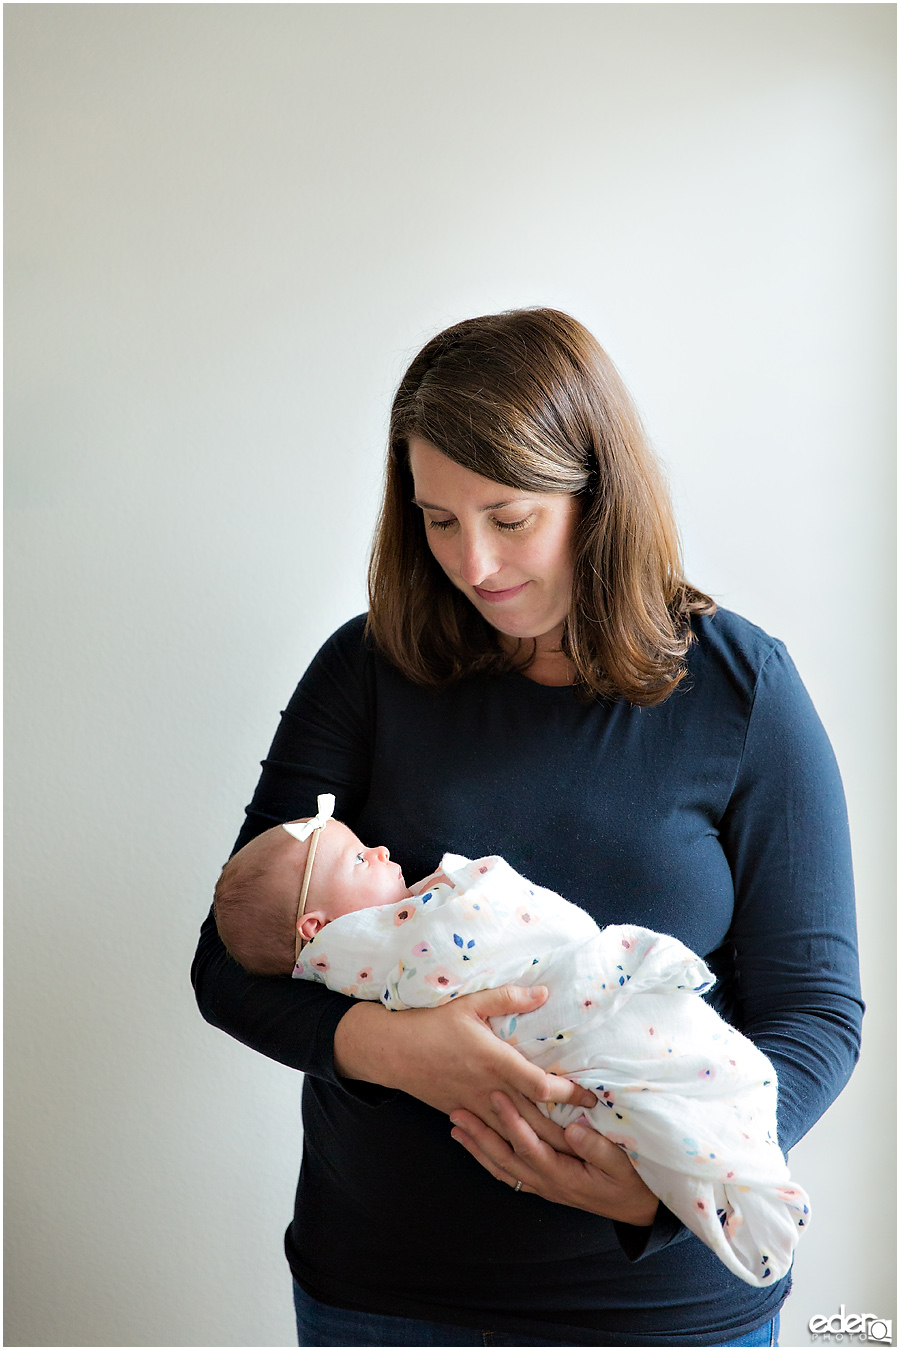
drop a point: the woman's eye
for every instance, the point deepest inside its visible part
(507, 525)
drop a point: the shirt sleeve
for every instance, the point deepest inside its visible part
(636, 1243)
(795, 991)
(322, 745)
(793, 935)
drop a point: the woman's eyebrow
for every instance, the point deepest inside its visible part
(496, 506)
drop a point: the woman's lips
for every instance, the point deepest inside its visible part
(494, 597)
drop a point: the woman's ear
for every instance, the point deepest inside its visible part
(310, 924)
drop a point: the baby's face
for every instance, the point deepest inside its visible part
(347, 876)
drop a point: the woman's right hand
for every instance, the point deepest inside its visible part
(449, 1057)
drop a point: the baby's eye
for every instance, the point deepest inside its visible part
(358, 859)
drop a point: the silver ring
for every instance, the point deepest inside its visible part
(518, 1186)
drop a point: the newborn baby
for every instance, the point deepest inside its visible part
(691, 1100)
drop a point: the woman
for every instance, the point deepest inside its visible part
(536, 679)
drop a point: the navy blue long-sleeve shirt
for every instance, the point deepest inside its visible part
(717, 816)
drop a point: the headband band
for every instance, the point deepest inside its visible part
(302, 830)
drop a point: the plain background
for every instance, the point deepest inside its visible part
(229, 227)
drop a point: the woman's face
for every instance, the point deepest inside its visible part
(510, 552)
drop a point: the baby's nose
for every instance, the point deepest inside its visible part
(382, 853)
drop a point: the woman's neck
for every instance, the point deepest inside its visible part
(549, 665)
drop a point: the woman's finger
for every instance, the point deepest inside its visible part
(591, 1146)
(538, 1086)
(546, 1129)
(524, 1155)
(487, 1162)
(528, 1141)
(515, 1158)
(636, 1203)
(508, 1000)
(564, 1091)
(491, 1144)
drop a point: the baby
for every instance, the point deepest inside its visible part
(691, 1100)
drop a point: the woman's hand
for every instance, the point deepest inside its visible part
(449, 1057)
(588, 1173)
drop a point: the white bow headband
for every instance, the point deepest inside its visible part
(302, 830)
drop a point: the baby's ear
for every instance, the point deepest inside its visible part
(310, 924)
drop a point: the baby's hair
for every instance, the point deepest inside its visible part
(255, 921)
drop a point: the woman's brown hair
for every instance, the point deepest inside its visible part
(530, 399)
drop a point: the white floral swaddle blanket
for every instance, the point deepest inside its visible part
(691, 1100)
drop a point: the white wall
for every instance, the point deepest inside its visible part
(228, 229)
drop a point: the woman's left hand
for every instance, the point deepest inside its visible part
(576, 1167)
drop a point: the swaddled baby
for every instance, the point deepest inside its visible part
(691, 1100)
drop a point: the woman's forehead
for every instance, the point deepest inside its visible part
(435, 473)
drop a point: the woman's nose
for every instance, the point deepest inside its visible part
(476, 561)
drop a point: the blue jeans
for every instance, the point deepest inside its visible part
(321, 1324)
